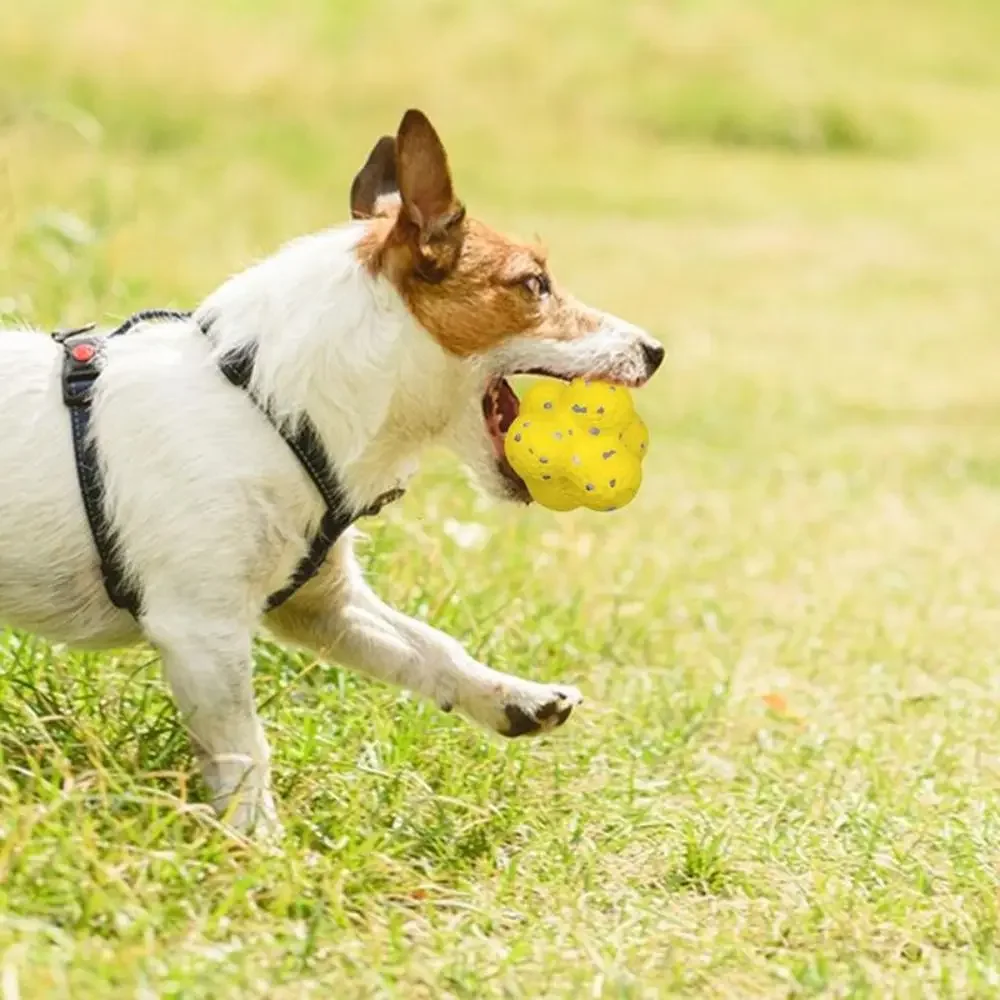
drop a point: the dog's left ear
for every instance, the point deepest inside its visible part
(431, 215)
(375, 179)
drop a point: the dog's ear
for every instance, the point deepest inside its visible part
(429, 202)
(375, 179)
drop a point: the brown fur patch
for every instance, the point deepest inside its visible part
(484, 297)
(466, 284)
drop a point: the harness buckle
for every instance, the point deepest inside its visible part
(81, 355)
(61, 336)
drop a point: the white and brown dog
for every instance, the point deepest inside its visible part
(392, 332)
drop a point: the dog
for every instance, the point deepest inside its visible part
(392, 332)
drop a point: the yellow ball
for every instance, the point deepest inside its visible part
(538, 448)
(635, 437)
(579, 445)
(606, 475)
(543, 397)
(598, 404)
(558, 494)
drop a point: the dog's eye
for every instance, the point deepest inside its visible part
(538, 285)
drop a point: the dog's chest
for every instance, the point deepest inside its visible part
(392, 458)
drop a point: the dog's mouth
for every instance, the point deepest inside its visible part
(500, 409)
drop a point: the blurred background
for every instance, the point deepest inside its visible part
(792, 631)
(798, 198)
(786, 191)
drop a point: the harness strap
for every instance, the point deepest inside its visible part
(82, 363)
(305, 444)
(304, 440)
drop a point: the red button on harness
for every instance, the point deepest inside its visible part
(83, 353)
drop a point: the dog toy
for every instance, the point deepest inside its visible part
(578, 445)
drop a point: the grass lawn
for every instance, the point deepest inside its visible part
(785, 780)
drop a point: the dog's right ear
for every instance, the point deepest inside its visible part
(431, 215)
(375, 179)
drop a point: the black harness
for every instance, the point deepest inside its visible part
(83, 357)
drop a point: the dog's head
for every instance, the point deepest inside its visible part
(487, 300)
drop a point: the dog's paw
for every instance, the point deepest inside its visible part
(251, 814)
(538, 708)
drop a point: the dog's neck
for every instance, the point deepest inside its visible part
(333, 342)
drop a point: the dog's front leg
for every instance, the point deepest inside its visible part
(208, 666)
(360, 631)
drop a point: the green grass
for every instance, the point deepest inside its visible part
(785, 780)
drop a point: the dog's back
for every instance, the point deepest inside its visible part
(196, 484)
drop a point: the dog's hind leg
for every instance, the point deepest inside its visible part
(208, 666)
(354, 627)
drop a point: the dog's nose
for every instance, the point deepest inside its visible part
(654, 354)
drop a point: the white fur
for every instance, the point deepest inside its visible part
(213, 511)
(613, 351)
